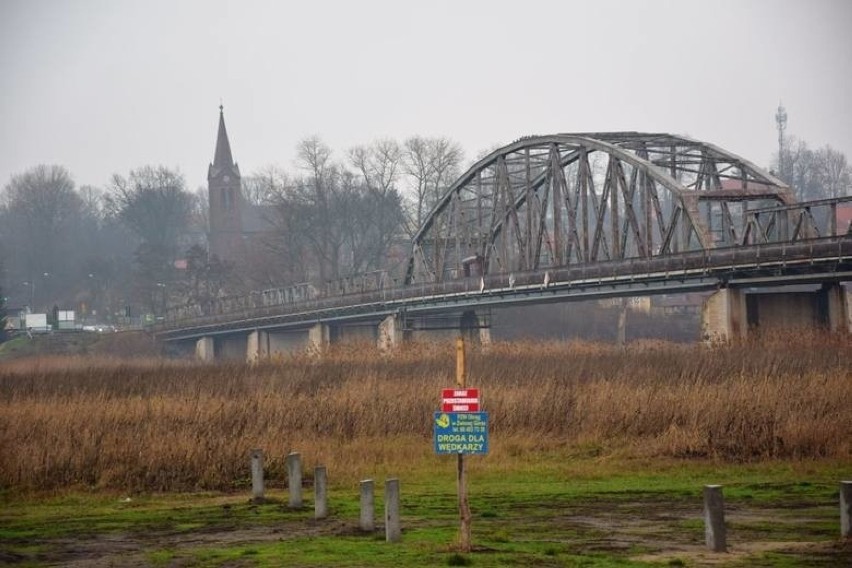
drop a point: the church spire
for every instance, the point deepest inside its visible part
(222, 158)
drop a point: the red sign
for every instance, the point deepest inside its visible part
(460, 400)
(459, 393)
(464, 407)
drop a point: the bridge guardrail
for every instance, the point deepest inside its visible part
(774, 256)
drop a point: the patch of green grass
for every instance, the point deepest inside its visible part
(546, 514)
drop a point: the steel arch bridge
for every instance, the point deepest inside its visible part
(566, 199)
(571, 216)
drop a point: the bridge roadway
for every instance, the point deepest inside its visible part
(823, 260)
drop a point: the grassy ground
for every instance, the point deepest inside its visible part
(598, 456)
(551, 509)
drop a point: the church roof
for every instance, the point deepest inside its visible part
(222, 158)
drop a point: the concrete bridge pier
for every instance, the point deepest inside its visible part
(257, 347)
(729, 312)
(475, 328)
(838, 307)
(205, 349)
(724, 316)
(390, 333)
(319, 337)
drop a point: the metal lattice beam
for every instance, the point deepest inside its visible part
(567, 199)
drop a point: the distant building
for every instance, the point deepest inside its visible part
(234, 223)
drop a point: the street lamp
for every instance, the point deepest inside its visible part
(162, 288)
(31, 285)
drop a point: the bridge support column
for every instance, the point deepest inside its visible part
(205, 349)
(390, 334)
(475, 328)
(257, 347)
(319, 337)
(838, 305)
(724, 316)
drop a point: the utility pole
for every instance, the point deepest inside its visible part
(464, 505)
(781, 123)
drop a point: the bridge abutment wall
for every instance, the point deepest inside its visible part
(729, 312)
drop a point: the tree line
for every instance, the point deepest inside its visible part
(138, 244)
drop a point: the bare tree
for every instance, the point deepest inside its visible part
(379, 164)
(153, 203)
(262, 187)
(431, 164)
(833, 172)
(41, 230)
(814, 174)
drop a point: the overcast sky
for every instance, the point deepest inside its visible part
(103, 86)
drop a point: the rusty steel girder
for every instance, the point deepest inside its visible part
(568, 199)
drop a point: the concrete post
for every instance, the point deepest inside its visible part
(320, 492)
(319, 336)
(714, 519)
(724, 316)
(390, 333)
(294, 479)
(393, 530)
(257, 476)
(204, 349)
(368, 511)
(257, 347)
(846, 509)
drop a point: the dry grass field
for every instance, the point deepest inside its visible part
(159, 425)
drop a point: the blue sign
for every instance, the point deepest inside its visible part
(461, 432)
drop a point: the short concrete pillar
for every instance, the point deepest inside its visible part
(319, 337)
(724, 316)
(390, 334)
(714, 519)
(368, 510)
(320, 492)
(846, 509)
(257, 346)
(393, 530)
(294, 479)
(257, 488)
(205, 349)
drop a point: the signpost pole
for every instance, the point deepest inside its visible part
(464, 506)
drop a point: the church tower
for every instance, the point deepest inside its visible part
(225, 239)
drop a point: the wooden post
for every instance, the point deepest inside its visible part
(714, 519)
(846, 509)
(464, 506)
(367, 523)
(257, 476)
(294, 479)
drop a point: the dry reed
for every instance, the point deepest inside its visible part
(153, 425)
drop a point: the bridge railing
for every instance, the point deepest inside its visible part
(768, 256)
(799, 221)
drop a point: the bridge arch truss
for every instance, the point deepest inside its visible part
(566, 199)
